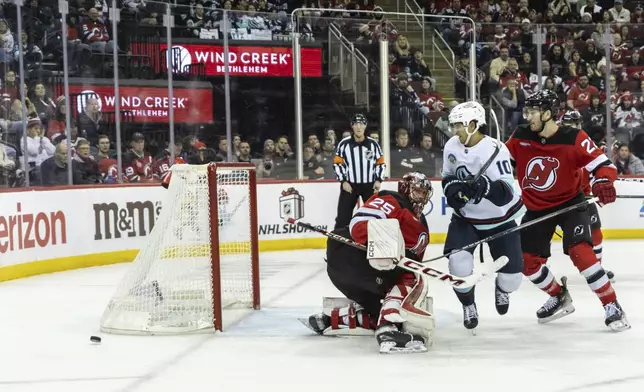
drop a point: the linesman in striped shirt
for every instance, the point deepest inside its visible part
(359, 166)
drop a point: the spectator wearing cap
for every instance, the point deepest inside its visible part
(619, 13)
(202, 154)
(39, 148)
(627, 163)
(90, 120)
(137, 166)
(56, 124)
(638, 15)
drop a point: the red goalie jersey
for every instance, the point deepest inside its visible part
(391, 205)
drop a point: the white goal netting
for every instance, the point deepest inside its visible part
(176, 284)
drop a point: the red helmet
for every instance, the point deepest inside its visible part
(417, 189)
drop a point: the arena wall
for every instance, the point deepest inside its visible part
(55, 229)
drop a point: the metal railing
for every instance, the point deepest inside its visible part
(504, 118)
(435, 48)
(349, 65)
(412, 7)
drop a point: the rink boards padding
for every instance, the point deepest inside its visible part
(44, 230)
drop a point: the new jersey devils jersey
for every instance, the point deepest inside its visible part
(391, 205)
(548, 169)
(585, 182)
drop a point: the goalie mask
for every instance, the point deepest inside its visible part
(417, 189)
(462, 115)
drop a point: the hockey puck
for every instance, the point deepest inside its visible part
(94, 339)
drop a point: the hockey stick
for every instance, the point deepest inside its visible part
(415, 266)
(516, 228)
(497, 149)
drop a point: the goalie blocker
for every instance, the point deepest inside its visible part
(380, 298)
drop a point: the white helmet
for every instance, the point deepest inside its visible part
(466, 112)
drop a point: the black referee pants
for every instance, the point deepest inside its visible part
(347, 202)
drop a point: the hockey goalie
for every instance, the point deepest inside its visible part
(381, 299)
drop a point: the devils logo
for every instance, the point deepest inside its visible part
(541, 173)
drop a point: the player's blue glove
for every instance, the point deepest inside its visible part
(457, 192)
(480, 188)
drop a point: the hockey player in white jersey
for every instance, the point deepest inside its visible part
(482, 206)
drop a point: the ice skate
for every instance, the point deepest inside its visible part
(317, 323)
(556, 306)
(615, 317)
(470, 317)
(392, 341)
(501, 301)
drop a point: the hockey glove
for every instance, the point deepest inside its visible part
(457, 192)
(604, 189)
(480, 188)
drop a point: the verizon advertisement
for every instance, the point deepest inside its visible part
(150, 104)
(249, 60)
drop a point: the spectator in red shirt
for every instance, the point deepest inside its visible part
(95, 32)
(138, 166)
(579, 95)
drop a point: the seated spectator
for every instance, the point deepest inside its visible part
(222, 150)
(593, 9)
(6, 42)
(312, 168)
(95, 32)
(619, 13)
(56, 124)
(163, 163)
(45, 107)
(417, 67)
(402, 50)
(244, 152)
(202, 155)
(430, 98)
(627, 163)
(54, 169)
(513, 99)
(39, 148)
(87, 165)
(31, 52)
(429, 156)
(326, 157)
(579, 95)
(402, 155)
(73, 138)
(594, 119)
(104, 151)
(90, 120)
(8, 167)
(628, 120)
(499, 64)
(512, 72)
(137, 166)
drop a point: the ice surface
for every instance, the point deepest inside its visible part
(46, 322)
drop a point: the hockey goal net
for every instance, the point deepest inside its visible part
(200, 258)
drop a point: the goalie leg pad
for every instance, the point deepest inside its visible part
(417, 310)
(341, 317)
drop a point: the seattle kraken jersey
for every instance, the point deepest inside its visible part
(462, 161)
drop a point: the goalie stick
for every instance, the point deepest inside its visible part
(415, 266)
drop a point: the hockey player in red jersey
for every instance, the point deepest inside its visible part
(572, 118)
(548, 160)
(382, 295)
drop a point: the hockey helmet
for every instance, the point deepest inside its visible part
(571, 117)
(417, 188)
(543, 100)
(464, 113)
(359, 118)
